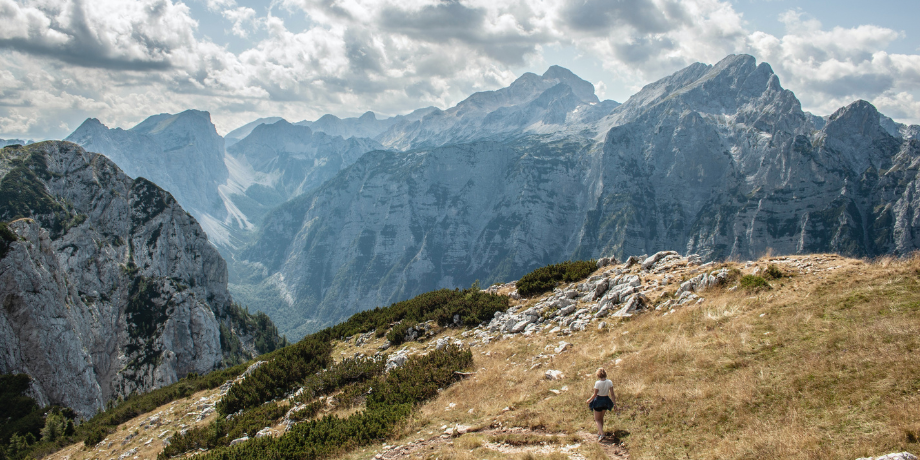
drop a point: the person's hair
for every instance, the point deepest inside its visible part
(601, 373)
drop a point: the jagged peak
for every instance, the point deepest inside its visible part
(156, 124)
(855, 109)
(368, 116)
(91, 123)
(328, 118)
(556, 71)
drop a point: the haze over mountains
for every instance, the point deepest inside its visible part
(322, 219)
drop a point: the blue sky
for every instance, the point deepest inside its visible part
(62, 61)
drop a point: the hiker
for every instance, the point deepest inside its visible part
(602, 400)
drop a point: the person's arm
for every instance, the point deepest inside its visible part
(592, 396)
(613, 397)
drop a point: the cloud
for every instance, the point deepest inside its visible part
(831, 68)
(240, 17)
(643, 16)
(112, 34)
(123, 60)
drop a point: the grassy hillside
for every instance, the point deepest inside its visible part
(821, 362)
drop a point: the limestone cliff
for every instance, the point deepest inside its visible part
(108, 286)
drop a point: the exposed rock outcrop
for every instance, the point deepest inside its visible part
(108, 286)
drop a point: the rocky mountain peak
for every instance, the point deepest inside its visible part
(234, 136)
(181, 152)
(856, 134)
(583, 89)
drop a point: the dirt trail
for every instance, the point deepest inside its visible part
(502, 440)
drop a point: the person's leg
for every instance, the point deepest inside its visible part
(599, 420)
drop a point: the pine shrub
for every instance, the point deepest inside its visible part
(546, 278)
(273, 380)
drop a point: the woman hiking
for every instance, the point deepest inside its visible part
(602, 400)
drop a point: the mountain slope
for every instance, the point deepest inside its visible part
(531, 104)
(109, 287)
(287, 161)
(737, 371)
(719, 160)
(182, 153)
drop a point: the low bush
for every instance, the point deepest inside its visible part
(391, 401)
(773, 272)
(307, 412)
(288, 367)
(753, 283)
(221, 431)
(546, 278)
(345, 372)
(472, 306)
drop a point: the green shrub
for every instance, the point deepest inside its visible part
(420, 378)
(309, 411)
(391, 401)
(773, 273)
(95, 437)
(473, 306)
(221, 431)
(546, 278)
(397, 334)
(346, 372)
(288, 367)
(753, 283)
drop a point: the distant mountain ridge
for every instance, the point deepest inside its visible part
(717, 159)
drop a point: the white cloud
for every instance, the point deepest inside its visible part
(123, 60)
(242, 19)
(831, 68)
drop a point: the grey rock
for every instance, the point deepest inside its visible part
(127, 296)
(893, 456)
(565, 311)
(652, 260)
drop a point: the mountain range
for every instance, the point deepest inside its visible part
(319, 220)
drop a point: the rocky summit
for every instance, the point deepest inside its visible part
(108, 287)
(716, 160)
(321, 219)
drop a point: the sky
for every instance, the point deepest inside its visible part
(62, 61)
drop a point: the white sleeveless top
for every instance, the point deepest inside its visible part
(603, 387)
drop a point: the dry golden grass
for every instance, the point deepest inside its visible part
(824, 364)
(148, 441)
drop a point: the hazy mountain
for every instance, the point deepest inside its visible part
(279, 161)
(718, 160)
(532, 104)
(366, 125)
(239, 133)
(6, 142)
(109, 287)
(181, 153)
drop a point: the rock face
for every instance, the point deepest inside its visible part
(287, 161)
(533, 104)
(181, 153)
(719, 160)
(108, 286)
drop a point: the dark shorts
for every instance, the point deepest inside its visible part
(601, 403)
